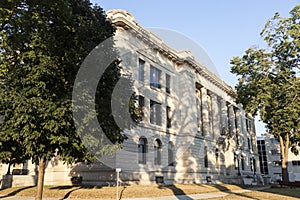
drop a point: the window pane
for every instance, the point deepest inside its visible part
(168, 83)
(243, 163)
(205, 157)
(142, 147)
(170, 154)
(141, 101)
(249, 145)
(141, 70)
(155, 77)
(155, 113)
(168, 117)
(157, 152)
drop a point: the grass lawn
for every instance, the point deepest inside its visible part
(272, 194)
(73, 192)
(124, 191)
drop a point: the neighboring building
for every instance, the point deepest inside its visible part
(270, 160)
(192, 130)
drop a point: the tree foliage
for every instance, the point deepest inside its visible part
(269, 80)
(43, 43)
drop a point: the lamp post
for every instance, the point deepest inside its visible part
(118, 170)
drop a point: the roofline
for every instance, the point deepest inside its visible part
(122, 18)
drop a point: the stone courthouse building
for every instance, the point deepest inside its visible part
(192, 130)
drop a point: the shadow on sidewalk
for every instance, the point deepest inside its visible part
(13, 193)
(176, 191)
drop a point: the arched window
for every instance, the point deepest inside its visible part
(171, 154)
(142, 150)
(157, 152)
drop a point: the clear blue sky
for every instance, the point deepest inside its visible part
(223, 28)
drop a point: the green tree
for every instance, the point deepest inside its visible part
(43, 44)
(269, 82)
(10, 152)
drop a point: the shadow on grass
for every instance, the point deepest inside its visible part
(76, 187)
(245, 195)
(13, 193)
(121, 193)
(221, 188)
(68, 194)
(225, 189)
(286, 191)
(228, 191)
(67, 187)
(176, 191)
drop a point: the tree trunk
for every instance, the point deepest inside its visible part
(40, 184)
(8, 170)
(284, 149)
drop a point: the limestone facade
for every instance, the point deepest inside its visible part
(192, 130)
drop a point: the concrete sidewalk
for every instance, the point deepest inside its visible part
(177, 197)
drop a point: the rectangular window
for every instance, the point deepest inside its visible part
(296, 162)
(205, 157)
(141, 70)
(277, 163)
(217, 159)
(155, 77)
(168, 83)
(243, 162)
(155, 113)
(249, 145)
(169, 121)
(275, 151)
(236, 161)
(141, 100)
(274, 141)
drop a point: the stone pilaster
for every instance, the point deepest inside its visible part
(215, 117)
(205, 117)
(232, 128)
(224, 118)
(239, 133)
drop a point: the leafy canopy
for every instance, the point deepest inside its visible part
(43, 43)
(269, 80)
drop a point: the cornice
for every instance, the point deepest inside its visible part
(124, 20)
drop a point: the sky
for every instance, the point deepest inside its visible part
(224, 29)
